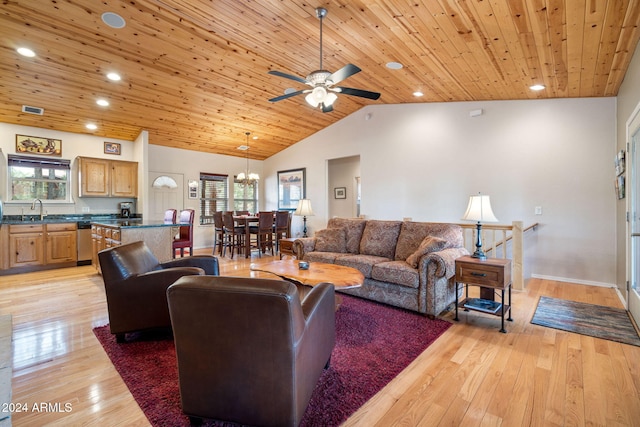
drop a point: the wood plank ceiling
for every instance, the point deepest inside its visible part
(194, 72)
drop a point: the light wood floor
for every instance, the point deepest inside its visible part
(471, 376)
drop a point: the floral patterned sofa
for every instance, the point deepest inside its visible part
(406, 264)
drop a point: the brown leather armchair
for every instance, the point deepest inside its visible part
(136, 285)
(248, 350)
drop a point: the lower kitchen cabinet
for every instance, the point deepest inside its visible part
(40, 245)
(26, 245)
(61, 244)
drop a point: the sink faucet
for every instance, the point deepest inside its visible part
(33, 206)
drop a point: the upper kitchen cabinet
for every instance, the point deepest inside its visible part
(107, 178)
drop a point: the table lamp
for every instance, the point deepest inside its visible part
(479, 209)
(304, 210)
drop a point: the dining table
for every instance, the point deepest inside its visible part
(246, 221)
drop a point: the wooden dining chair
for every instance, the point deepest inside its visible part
(218, 232)
(185, 236)
(233, 236)
(264, 232)
(281, 227)
(242, 212)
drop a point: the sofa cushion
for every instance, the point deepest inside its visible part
(331, 240)
(429, 244)
(364, 263)
(398, 272)
(328, 257)
(353, 228)
(413, 233)
(379, 238)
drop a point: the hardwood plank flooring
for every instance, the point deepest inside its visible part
(471, 376)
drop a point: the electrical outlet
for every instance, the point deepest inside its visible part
(538, 210)
(86, 209)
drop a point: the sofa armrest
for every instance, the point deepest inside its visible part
(303, 245)
(441, 263)
(208, 263)
(437, 270)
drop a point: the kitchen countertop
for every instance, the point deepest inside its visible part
(135, 223)
(34, 219)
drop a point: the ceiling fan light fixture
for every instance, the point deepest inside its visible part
(330, 99)
(317, 96)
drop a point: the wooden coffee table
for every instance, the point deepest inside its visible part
(319, 272)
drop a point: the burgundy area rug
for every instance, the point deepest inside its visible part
(374, 343)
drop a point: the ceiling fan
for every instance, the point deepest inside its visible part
(323, 92)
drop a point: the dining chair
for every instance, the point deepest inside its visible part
(242, 212)
(264, 232)
(185, 236)
(170, 216)
(281, 227)
(218, 232)
(233, 235)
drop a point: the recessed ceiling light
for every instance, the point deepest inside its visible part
(255, 137)
(102, 102)
(394, 65)
(536, 87)
(91, 126)
(418, 93)
(114, 77)
(25, 51)
(113, 20)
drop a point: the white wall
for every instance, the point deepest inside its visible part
(73, 145)
(424, 160)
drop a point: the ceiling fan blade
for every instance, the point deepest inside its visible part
(287, 76)
(287, 95)
(327, 108)
(344, 72)
(357, 92)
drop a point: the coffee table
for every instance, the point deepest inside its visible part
(342, 277)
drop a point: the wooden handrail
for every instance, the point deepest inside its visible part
(516, 234)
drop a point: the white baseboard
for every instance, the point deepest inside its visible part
(577, 281)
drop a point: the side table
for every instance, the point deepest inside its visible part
(491, 274)
(286, 246)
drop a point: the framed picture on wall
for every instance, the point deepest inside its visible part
(38, 145)
(340, 192)
(620, 162)
(291, 188)
(193, 189)
(112, 148)
(620, 187)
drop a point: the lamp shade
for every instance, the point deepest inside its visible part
(479, 209)
(304, 208)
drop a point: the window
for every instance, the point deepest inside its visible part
(213, 196)
(245, 197)
(39, 178)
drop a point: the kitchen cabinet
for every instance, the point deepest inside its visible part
(41, 244)
(60, 243)
(107, 178)
(26, 245)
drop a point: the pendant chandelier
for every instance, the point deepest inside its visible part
(246, 177)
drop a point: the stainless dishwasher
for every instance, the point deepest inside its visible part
(84, 243)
